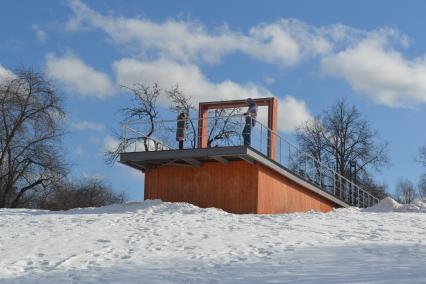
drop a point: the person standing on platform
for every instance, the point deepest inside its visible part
(181, 129)
(250, 121)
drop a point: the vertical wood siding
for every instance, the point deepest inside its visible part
(237, 187)
(278, 194)
(232, 187)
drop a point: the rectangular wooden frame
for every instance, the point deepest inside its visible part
(271, 103)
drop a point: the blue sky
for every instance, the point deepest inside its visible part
(306, 53)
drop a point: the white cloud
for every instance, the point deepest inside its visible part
(368, 60)
(292, 113)
(193, 82)
(130, 173)
(93, 176)
(374, 67)
(40, 34)
(136, 175)
(5, 73)
(110, 143)
(88, 125)
(79, 77)
(190, 78)
(269, 80)
(284, 42)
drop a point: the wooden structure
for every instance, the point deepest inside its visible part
(237, 179)
(271, 103)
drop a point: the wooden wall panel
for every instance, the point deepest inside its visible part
(232, 187)
(237, 187)
(278, 194)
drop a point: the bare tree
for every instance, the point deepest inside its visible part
(30, 158)
(310, 138)
(339, 137)
(422, 182)
(144, 107)
(405, 191)
(145, 101)
(89, 192)
(377, 190)
(421, 188)
(179, 102)
(225, 127)
(422, 156)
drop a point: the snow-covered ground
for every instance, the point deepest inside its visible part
(156, 242)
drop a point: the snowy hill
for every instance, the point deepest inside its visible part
(156, 242)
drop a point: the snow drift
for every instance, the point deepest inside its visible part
(390, 205)
(159, 242)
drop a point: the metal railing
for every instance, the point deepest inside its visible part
(228, 131)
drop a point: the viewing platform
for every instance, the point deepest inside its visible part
(216, 169)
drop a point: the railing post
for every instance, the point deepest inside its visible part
(357, 204)
(334, 183)
(125, 136)
(261, 127)
(203, 125)
(280, 149)
(272, 123)
(240, 124)
(122, 134)
(306, 165)
(289, 155)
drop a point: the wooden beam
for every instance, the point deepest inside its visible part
(234, 103)
(141, 167)
(273, 125)
(203, 125)
(247, 159)
(179, 165)
(175, 163)
(220, 159)
(193, 162)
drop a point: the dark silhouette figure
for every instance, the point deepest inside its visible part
(181, 129)
(250, 121)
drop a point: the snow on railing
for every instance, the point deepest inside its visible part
(228, 131)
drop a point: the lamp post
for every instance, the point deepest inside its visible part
(353, 171)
